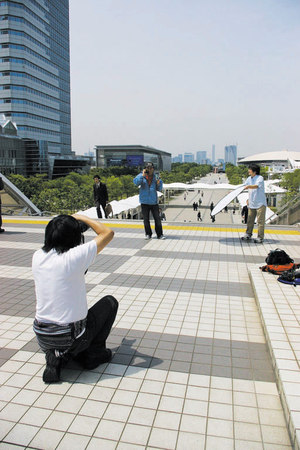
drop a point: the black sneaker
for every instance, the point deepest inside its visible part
(2, 230)
(53, 365)
(89, 362)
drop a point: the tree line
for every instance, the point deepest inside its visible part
(74, 192)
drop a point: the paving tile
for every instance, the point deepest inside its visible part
(21, 434)
(73, 441)
(163, 439)
(109, 429)
(192, 441)
(136, 434)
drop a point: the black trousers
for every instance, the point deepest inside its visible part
(103, 204)
(100, 320)
(155, 212)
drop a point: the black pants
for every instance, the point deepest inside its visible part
(103, 204)
(100, 319)
(155, 212)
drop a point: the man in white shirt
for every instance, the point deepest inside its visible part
(63, 324)
(257, 204)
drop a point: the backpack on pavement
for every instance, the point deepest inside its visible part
(278, 261)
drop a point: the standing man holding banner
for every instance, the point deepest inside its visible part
(257, 204)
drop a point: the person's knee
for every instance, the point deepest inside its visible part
(109, 299)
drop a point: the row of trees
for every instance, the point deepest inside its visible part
(185, 172)
(75, 191)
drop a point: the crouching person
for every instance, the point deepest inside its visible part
(63, 324)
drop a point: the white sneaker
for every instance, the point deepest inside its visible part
(247, 237)
(147, 237)
(161, 237)
(258, 241)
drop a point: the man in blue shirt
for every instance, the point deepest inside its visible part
(257, 204)
(149, 185)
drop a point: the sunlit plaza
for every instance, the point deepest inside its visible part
(206, 346)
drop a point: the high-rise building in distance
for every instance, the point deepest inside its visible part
(188, 157)
(35, 70)
(231, 154)
(177, 159)
(213, 154)
(201, 157)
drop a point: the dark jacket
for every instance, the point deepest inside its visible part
(100, 193)
(1, 187)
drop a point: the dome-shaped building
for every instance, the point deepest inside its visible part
(281, 161)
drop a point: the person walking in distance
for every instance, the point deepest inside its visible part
(100, 196)
(245, 212)
(257, 204)
(211, 206)
(199, 218)
(1, 187)
(149, 185)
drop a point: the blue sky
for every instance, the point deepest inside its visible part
(183, 75)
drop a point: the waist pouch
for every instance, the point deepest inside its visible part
(61, 337)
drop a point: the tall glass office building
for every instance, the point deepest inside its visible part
(231, 154)
(35, 70)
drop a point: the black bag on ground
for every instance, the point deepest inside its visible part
(290, 277)
(279, 257)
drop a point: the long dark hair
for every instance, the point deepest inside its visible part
(62, 233)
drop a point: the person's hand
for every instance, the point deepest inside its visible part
(145, 172)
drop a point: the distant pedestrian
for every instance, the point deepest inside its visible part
(184, 197)
(128, 215)
(245, 213)
(211, 206)
(226, 209)
(213, 219)
(162, 214)
(1, 187)
(200, 202)
(202, 194)
(233, 212)
(100, 196)
(199, 218)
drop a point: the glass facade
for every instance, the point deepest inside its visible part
(231, 154)
(35, 70)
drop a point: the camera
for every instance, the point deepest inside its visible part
(83, 226)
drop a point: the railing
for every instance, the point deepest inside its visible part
(289, 214)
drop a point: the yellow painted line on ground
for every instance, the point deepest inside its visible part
(166, 227)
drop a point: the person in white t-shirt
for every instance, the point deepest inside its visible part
(63, 324)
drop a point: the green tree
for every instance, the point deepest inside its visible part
(114, 188)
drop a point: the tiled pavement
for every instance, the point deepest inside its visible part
(191, 367)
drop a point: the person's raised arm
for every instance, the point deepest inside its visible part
(104, 233)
